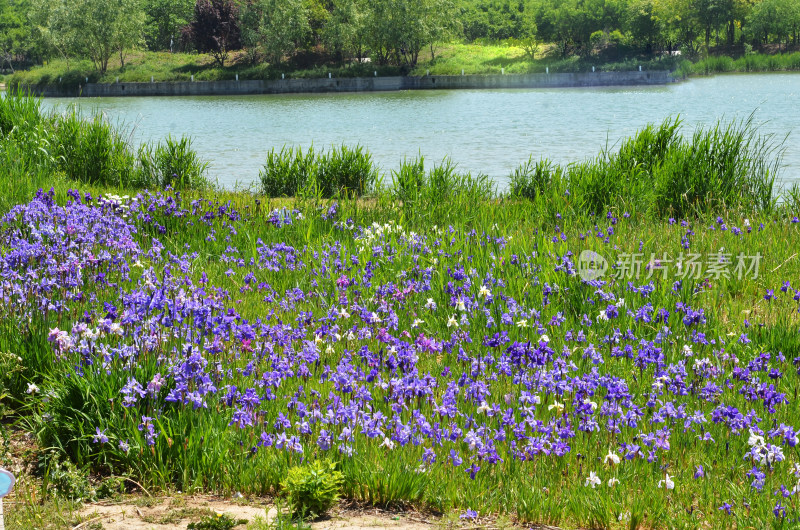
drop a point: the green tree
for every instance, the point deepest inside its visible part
(774, 19)
(570, 23)
(680, 23)
(127, 30)
(13, 31)
(345, 31)
(711, 14)
(96, 29)
(165, 19)
(50, 30)
(317, 14)
(529, 34)
(644, 24)
(399, 29)
(276, 27)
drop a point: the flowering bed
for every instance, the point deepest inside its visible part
(199, 344)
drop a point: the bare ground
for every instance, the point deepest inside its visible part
(174, 513)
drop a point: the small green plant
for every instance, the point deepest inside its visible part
(111, 488)
(281, 521)
(64, 480)
(218, 521)
(313, 488)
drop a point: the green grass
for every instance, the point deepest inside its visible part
(667, 173)
(508, 57)
(216, 464)
(339, 171)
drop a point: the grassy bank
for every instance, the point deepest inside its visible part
(169, 67)
(448, 59)
(444, 345)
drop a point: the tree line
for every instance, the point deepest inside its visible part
(389, 32)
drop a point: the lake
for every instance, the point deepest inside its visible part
(488, 131)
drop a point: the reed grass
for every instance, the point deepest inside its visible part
(755, 62)
(90, 150)
(339, 171)
(172, 163)
(730, 165)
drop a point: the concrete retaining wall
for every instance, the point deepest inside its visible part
(358, 84)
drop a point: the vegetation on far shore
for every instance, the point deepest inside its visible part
(53, 41)
(451, 59)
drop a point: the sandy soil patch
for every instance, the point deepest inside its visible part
(175, 513)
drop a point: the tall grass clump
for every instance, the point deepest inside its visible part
(173, 163)
(340, 171)
(648, 148)
(89, 150)
(717, 64)
(441, 192)
(534, 178)
(92, 151)
(728, 165)
(408, 180)
(623, 177)
(659, 170)
(346, 170)
(287, 171)
(19, 110)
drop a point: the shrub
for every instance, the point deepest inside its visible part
(64, 479)
(110, 488)
(312, 489)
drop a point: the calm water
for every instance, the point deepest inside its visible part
(489, 131)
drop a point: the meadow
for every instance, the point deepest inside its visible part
(608, 344)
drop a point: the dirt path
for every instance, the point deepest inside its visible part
(175, 513)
